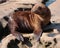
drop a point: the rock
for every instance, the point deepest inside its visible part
(11, 5)
(55, 11)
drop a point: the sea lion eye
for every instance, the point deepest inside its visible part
(39, 8)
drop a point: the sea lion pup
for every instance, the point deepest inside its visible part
(27, 22)
(43, 11)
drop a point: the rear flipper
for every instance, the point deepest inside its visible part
(12, 25)
(19, 36)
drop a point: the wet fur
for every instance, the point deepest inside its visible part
(25, 22)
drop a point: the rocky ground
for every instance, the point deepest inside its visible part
(9, 6)
(49, 39)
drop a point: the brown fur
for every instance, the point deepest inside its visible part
(43, 11)
(26, 22)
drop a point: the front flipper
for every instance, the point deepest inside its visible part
(37, 34)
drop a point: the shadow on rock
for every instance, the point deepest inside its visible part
(51, 27)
